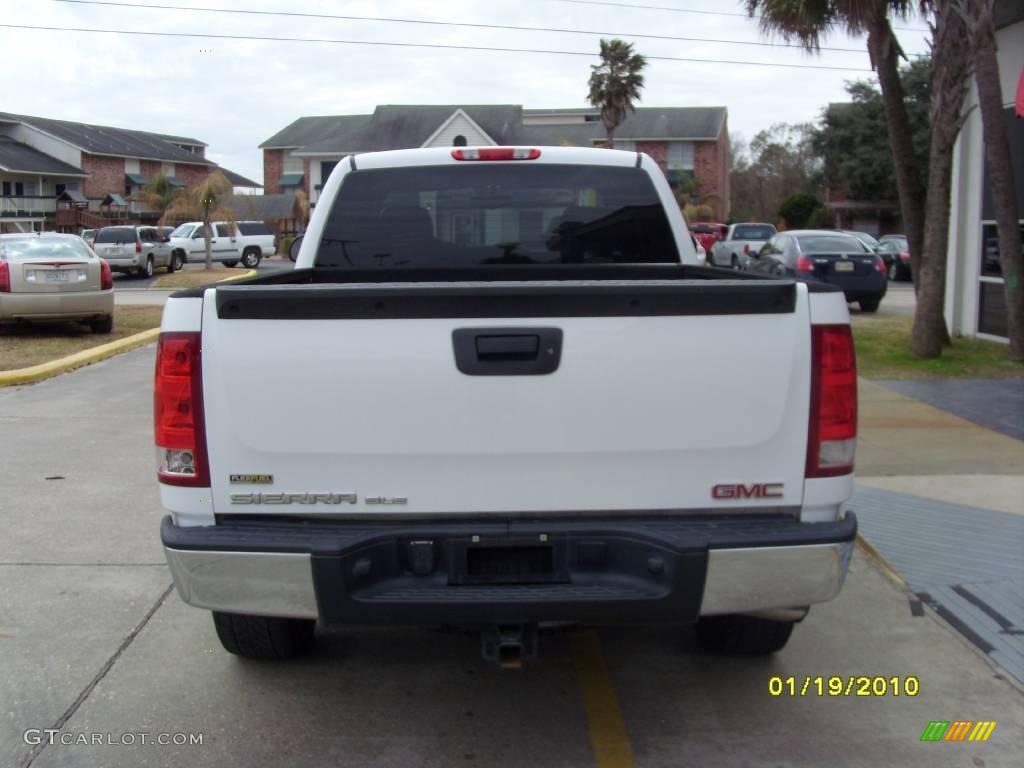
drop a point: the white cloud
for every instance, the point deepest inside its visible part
(245, 91)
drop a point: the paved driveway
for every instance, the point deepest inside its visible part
(94, 643)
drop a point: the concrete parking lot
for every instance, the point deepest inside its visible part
(94, 642)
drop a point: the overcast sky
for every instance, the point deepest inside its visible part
(243, 91)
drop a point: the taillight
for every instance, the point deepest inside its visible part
(905, 255)
(880, 264)
(178, 411)
(803, 264)
(106, 277)
(832, 431)
(138, 247)
(746, 248)
(5, 277)
(497, 153)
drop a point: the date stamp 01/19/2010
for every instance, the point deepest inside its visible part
(844, 685)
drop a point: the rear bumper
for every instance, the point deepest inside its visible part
(80, 305)
(124, 263)
(602, 571)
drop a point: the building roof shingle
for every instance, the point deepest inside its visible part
(394, 126)
(15, 156)
(120, 142)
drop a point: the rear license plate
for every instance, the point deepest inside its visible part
(507, 562)
(844, 266)
(57, 276)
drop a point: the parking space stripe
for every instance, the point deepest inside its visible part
(608, 736)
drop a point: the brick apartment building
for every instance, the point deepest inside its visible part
(687, 142)
(56, 174)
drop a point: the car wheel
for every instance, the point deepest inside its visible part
(230, 264)
(251, 258)
(734, 263)
(170, 265)
(869, 305)
(263, 637)
(103, 325)
(177, 260)
(147, 271)
(894, 271)
(737, 635)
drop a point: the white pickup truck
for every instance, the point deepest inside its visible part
(230, 242)
(740, 244)
(497, 362)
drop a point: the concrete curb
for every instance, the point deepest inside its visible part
(52, 368)
(42, 371)
(882, 563)
(243, 276)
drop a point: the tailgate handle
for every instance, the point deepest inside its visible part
(520, 347)
(507, 351)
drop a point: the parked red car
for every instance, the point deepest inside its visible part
(708, 233)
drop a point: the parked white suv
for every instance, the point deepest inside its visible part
(231, 243)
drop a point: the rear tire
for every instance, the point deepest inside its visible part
(737, 635)
(734, 263)
(178, 259)
(230, 264)
(103, 325)
(251, 258)
(894, 272)
(171, 264)
(869, 305)
(147, 271)
(263, 637)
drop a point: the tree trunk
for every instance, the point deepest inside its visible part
(1000, 170)
(885, 53)
(207, 234)
(950, 70)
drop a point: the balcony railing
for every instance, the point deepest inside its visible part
(27, 206)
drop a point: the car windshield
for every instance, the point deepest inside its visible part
(15, 249)
(117, 235)
(469, 215)
(184, 230)
(830, 244)
(753, 232)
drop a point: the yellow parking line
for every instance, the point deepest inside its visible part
(608, 736)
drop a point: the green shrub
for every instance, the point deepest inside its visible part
(797, 210)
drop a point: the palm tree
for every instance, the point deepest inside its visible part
(950, 71)
(159, 195)
(615, 83)
(1000, 169)
(208, 202)
(807, 21)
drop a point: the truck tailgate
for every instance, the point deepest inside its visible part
(349, 399)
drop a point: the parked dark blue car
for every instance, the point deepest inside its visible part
(829, 257)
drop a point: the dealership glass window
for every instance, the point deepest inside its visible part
(991, 288)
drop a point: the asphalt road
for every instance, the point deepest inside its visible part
(95, 644)
(124, 281)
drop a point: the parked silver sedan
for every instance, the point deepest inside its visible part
(49, 276)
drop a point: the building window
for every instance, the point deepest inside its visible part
(680, 155)
(459, 141)
(326, 166)
(7, 189)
